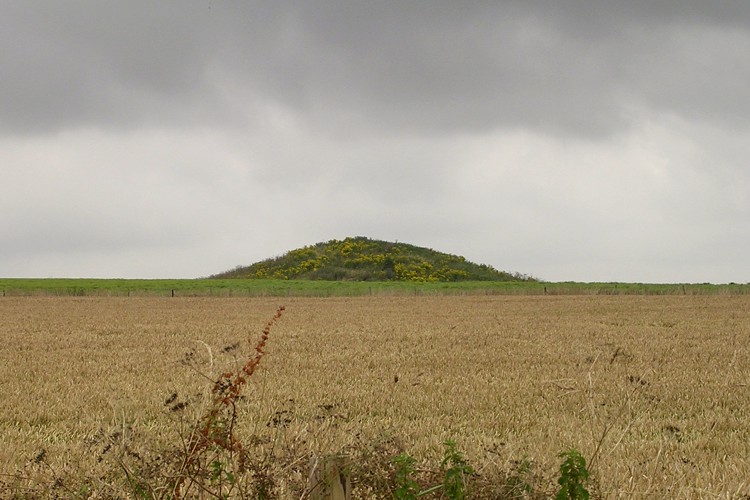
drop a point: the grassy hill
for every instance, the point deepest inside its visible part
(363, 259)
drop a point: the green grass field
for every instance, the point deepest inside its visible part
(310, 288)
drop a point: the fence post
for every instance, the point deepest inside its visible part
(173, 292)
(329, 479)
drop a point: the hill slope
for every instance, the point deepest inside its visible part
(363, 259)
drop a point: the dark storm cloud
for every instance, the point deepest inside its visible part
(74, 64)
(568, 67)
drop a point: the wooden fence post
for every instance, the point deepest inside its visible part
(329, 478)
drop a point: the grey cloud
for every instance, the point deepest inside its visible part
(101, 64)
(567, 139)
(427, 67)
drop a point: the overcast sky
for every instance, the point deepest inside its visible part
(570, 140)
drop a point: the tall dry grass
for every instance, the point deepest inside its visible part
(652, 390)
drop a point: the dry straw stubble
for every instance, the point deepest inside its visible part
(652, 390)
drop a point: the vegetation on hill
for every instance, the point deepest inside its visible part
(364, 259)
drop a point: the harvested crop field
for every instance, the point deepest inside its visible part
(652, 390)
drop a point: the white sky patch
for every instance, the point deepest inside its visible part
(601, 206)
(150, 200)
(90, 192)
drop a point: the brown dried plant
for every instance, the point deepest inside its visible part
(214, 431)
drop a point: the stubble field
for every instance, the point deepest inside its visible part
(653, 391)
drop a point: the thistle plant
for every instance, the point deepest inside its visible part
(456, 469)
(573, 477)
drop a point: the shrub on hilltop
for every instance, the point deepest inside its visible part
(364, 259)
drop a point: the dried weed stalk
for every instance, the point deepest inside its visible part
(214, 435)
